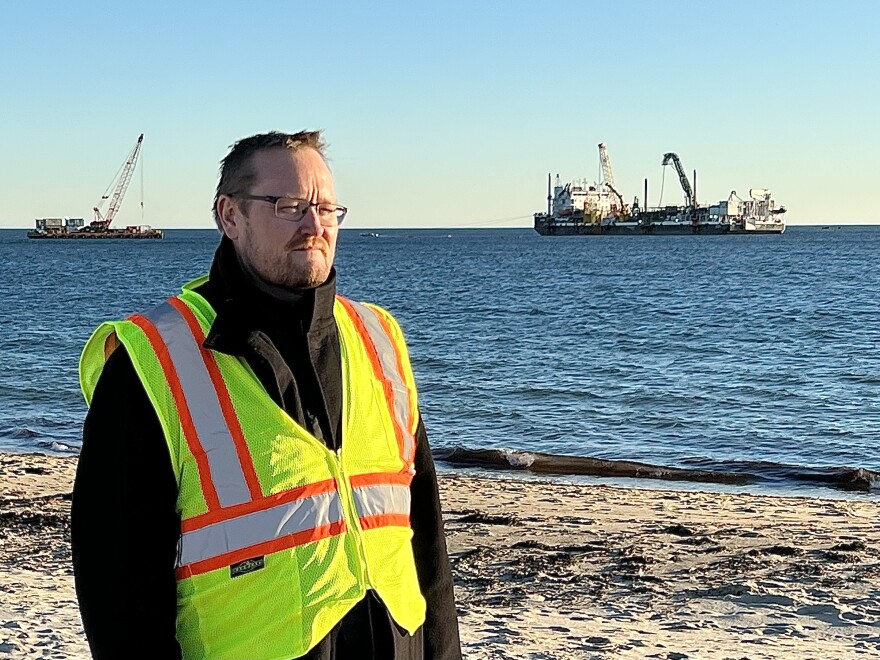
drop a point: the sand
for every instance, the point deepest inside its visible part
(555, 571)
(38, 613)
(546, 571)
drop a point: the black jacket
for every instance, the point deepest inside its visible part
(125, 525)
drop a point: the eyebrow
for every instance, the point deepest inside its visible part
(322, 199)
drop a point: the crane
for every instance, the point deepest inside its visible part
(101, 222)
(682, 177)
(605, 159)
(608, 175)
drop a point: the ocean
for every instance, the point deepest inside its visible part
(751, 363)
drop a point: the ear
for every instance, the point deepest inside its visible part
(230, 220)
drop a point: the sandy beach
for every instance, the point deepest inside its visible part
(547, 571)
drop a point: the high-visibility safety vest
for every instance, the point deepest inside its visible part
(280, 536)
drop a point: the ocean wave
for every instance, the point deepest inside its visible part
(841, 477)
(733, 472)
(61, 448)
(865, 379)
(539, 392)
(23, 433)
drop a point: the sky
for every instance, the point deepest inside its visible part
(442, 114)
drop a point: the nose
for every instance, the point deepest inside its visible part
(310, 223)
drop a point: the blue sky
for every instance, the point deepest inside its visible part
(445, 113)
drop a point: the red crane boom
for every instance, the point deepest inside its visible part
(102, 223)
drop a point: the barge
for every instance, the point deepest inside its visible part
(582, 208)
(71, 228)
(99, 228)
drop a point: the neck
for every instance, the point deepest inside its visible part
(281, 293)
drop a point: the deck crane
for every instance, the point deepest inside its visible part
(608, 176)
(102, 222)
(605, 159)
(682, 177)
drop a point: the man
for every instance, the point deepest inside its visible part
(255, 480)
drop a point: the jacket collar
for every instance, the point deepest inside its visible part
(248, 313)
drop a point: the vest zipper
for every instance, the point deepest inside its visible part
(345, 486)
(355, 525)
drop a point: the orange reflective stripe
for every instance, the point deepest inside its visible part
(390, 353)
(232, 422)
(299, 493)
(385, 520)
(258, 527)
(214, 434)
(398, 359)
(377, 370)
(384, 504)
(261, 549)
(381, 479)
(183, 412)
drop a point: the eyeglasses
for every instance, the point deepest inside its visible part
(294, 209)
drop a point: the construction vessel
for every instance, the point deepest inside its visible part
(69, 227)
(582, 208)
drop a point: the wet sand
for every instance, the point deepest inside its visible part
(547, 571)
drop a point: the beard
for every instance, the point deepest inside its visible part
(291, 267)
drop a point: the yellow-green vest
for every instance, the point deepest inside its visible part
(280, 536)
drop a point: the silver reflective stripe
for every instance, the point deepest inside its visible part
(259, 527)
(204, 407)
(388, 360)
(383, 499)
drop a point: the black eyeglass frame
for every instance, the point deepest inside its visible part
(338, 213)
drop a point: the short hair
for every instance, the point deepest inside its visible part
(237, 169)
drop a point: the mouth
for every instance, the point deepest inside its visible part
(306, 247)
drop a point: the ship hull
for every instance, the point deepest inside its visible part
(652, 224)
(91, 235)
(649, 230)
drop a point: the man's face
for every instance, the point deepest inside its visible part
(292, 255)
